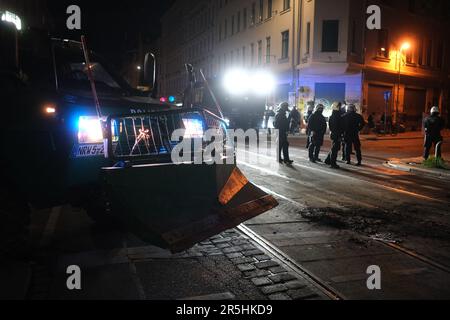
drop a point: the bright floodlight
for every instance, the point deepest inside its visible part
(236, 82)
(12, 18)
(262, 83)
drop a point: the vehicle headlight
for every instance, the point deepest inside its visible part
(194, 128)
(90, 130)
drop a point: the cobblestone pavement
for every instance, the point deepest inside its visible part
(231, 260)
(264, 271)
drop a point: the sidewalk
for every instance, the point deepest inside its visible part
(414, 165)
(373, 137)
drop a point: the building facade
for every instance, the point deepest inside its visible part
(258, 34)
(187, 37)
(322, 51)
(409, 58)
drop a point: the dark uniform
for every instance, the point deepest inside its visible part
(353, 124)
(344, 148)
(317, 125)
(294, 120)
(433, 125)
(336, 128)
(308, 115)
(282, 124)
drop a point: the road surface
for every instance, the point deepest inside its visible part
(331, 225)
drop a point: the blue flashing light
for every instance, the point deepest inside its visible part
(172, 99)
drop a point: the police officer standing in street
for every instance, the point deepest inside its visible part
(344, 148)
(308, 115)
(335, 124)
(294, 120)
(353, 124)
(282, 125)
(317, 127)
(433, 125)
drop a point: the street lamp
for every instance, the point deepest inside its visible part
(404, 47)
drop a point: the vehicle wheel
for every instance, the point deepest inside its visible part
(14, 226)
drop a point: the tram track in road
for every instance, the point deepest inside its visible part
(291, 264)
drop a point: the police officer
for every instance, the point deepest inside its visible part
(433, 125)
(294, 120)
(318, 127)
(353, 124)
(308, 115)
(282, 125)
(335, 125)
(344, 147)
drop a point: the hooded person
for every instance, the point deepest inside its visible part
(433, 126)
(353, 124)
(317, 127)
(282, 125)
(336, 130)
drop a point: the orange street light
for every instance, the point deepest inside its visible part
(405, 46)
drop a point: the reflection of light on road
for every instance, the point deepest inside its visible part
(328, 172)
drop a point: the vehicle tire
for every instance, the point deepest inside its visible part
(14, 223)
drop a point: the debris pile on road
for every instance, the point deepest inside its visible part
(387, 225)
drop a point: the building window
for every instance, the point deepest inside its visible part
(268, 50)
(409, 57)
(253, 20)
(261, 10)
(220, 32)
(232, 25)
(260, 52)
(286, 4)
(226, 29)
(429, 51)
(412, 6)
(420, 49)
(239, 22)
(308, 37)
(330, 36)
(245, 18)
(440, 55)
(383, 44)
(353, 36)
(252, 54)
(285, 45)
(269, 8)
(244, 55)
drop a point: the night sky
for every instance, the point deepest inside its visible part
(112, 27)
